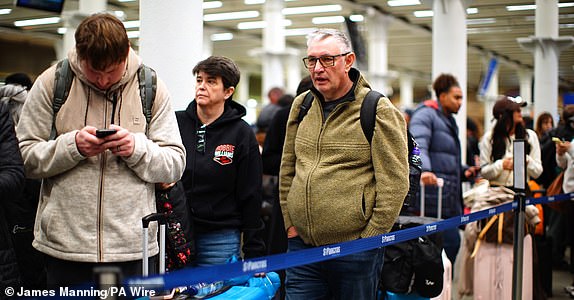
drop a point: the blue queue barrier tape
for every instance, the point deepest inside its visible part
(275, 262)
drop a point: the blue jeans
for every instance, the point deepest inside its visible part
(216, 248)
(353, 276)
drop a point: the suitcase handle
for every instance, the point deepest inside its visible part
(162, 220)
(159, 217)
(440, 184)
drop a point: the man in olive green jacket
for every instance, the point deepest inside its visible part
(334, 185)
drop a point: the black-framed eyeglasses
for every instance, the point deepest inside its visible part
(200, 146)
(325, 60)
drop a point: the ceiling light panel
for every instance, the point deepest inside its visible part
(34, 22)
(211, 4)
(231, 16)
(357, 18)
(423, 13)
(133, 34)
(251, 2)
(299, 31)
(472, 10)
(132, 24)
(521, 7)
(224, 36)
(403, 2)
(311, 9)
(533, 6)
(259, 24)
(430, 13)
(480, 21)
(328, 20)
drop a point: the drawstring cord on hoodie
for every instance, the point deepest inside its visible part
(87, 105)
(114, 98)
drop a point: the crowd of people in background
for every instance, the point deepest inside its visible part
(74, 200)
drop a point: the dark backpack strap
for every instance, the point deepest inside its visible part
(62, 85)
(147, 78)
(305, 106)
(369, 113)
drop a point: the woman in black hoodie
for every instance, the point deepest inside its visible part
(222, 177)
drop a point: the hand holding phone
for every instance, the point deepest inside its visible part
(101, 133)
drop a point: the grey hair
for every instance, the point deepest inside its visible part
(323, 33)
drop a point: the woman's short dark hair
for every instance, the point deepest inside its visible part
(443, 83)
(219, 66)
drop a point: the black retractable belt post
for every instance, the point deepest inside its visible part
(519, 196)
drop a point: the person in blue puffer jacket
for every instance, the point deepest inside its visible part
(435, 130)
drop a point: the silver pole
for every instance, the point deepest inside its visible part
(145, 262)
(519, 196)
(440, 183)
(162, 248)
(422, 199)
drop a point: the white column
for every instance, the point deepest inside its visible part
(525, 79)
(378, 65)
(407, 83)
(293, 72)
(242, 96)
(242, 93)
(273, 48)
(546, 46)
(449, 52)
(207, 43)
(169, 35)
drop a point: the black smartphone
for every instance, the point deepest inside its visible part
(105, 132)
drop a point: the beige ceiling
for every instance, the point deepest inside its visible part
(410, 45)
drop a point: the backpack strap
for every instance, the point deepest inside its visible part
(305, 106)
(147, 78)
(369, 113)
(62, 85)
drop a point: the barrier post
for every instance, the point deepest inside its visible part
(519, 196)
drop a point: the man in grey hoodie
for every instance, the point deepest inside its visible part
(95, 190)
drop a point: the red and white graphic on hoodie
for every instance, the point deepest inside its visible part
(224, 154)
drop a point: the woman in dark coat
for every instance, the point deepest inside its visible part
(11, 184)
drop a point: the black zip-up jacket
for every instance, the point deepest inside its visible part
(223, 182)
(11, 184)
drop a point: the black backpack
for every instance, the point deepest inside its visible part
(413, 266)
(368, 117)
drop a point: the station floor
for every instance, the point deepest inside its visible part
(560, 279)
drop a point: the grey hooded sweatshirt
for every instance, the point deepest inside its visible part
(90, 208)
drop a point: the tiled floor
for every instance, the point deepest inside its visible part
(560, 279)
